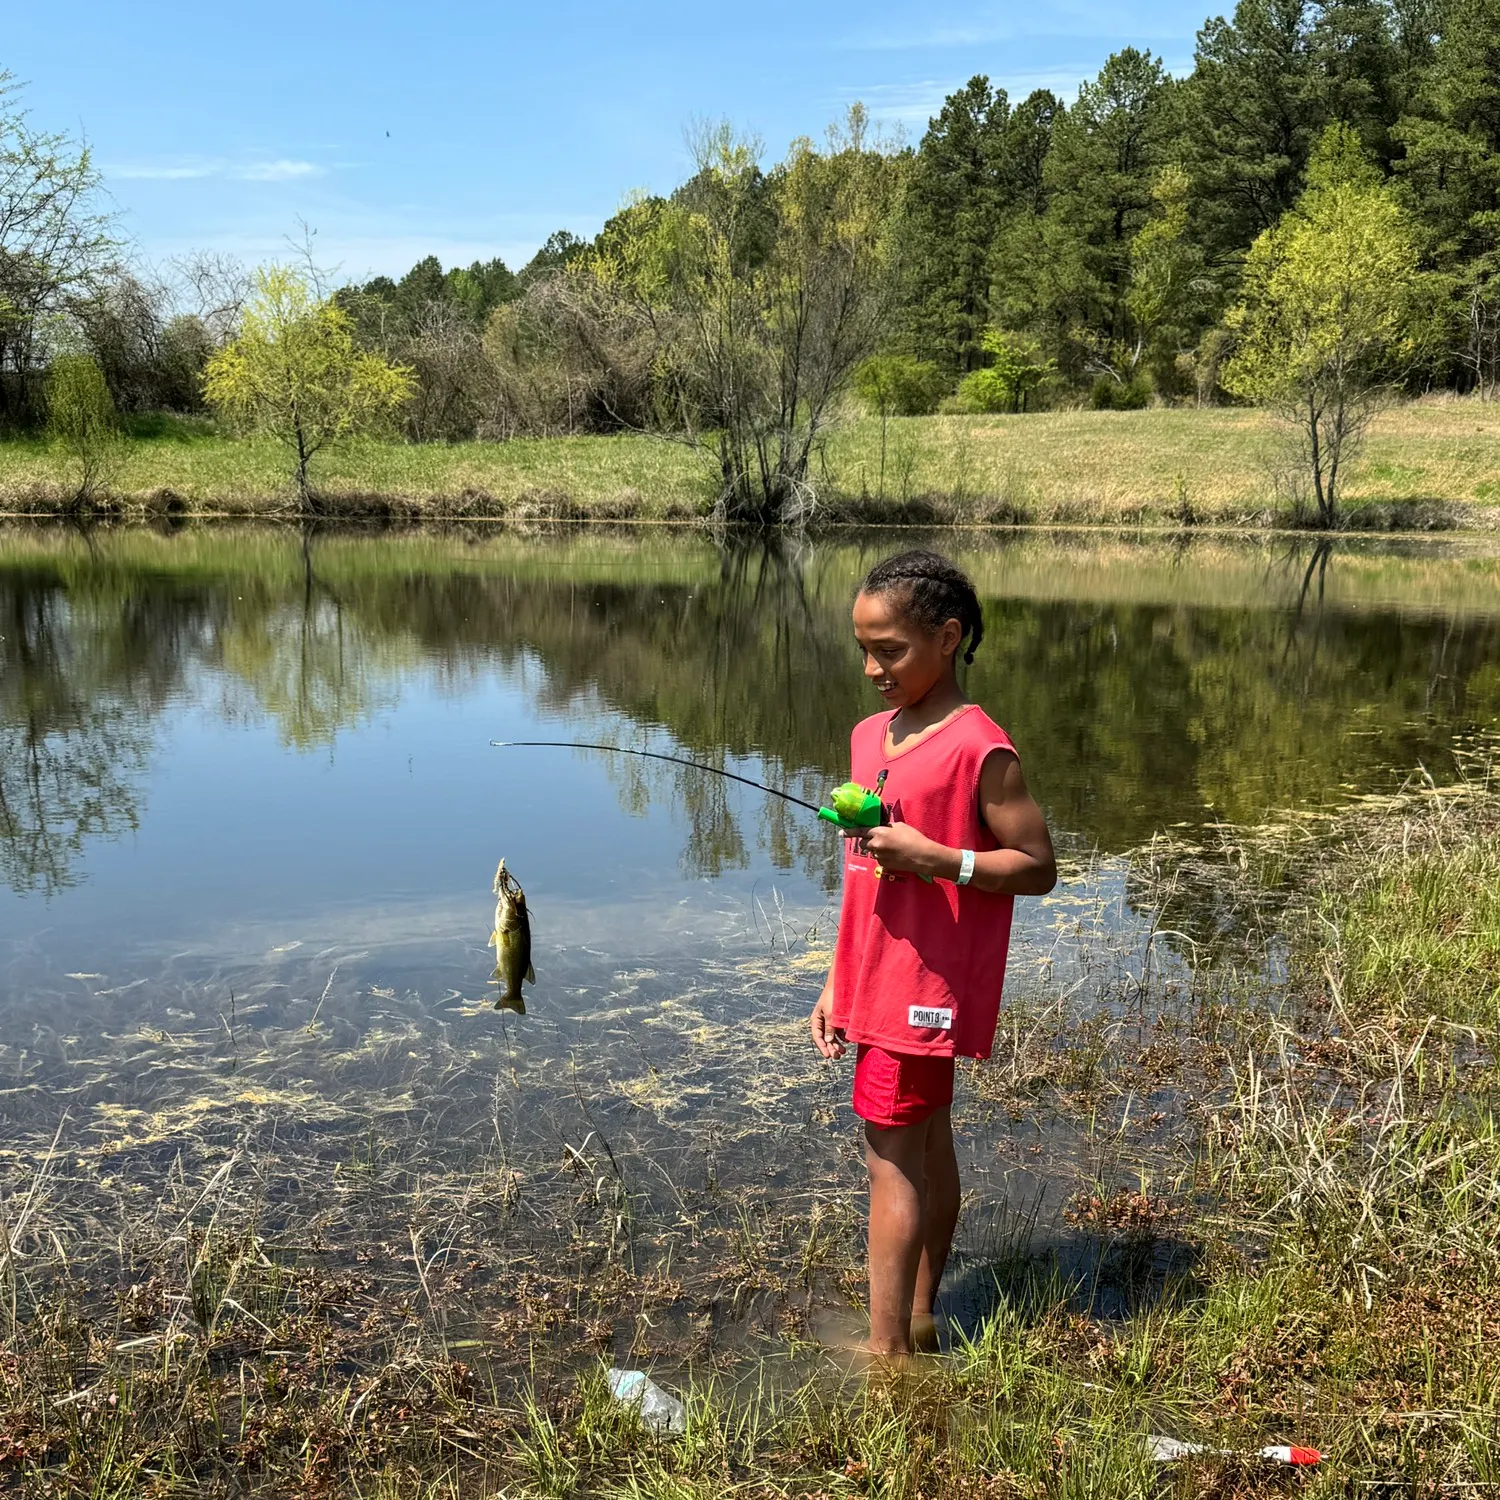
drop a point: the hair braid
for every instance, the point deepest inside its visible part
(935, 590)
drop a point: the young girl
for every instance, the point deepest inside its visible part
(919, 964)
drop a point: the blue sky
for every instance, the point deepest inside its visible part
(468, 130)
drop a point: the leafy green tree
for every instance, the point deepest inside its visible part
(1171, 295)
(296, 373)
(422, 284)
(557, 250)
(81, 418)
(481, 287)
(957, 195)
(1016, 368)
(897, 385)
(760, 350)
(1333, 304)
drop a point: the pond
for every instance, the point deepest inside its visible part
(249, 817)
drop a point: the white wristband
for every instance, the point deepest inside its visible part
(965, 866)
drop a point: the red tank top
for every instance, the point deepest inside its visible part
(919, 968)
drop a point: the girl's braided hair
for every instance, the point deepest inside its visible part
(935, 590)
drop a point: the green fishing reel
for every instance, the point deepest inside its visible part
(855, 808)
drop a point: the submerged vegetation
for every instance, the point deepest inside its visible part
(1277, 1191)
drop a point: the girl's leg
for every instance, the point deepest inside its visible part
(896, 1157)
(939, 1212)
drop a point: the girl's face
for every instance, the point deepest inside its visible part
(902, 659)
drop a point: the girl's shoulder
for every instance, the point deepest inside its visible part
(986, 731)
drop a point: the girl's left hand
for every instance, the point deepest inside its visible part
(898, 846)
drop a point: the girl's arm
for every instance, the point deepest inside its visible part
(1024, 865)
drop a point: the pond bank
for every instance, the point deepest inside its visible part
(1284, 1230)
(1430, 465)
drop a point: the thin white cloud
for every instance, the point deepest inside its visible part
(282, 169)
(914, 104)
(164, 172)
(992, 25)
(903, 103)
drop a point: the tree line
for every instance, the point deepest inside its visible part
(1309, 217)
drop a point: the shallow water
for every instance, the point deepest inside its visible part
(249, 816)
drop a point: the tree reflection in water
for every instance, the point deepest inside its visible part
(1147, 686)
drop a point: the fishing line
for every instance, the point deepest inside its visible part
(676, 760)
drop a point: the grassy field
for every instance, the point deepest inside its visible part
(1428, 463)
(1307, 1251)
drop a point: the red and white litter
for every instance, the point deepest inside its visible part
(1166, 1449)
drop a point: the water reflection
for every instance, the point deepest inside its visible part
(1148, 686)
(80, 681)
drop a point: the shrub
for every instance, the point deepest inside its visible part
(896, 385)
(1110, 394)
(984, 391)
(1015, 370)
(81, 416)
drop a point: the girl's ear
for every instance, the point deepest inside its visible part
(950, 633)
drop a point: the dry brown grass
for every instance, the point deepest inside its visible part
(1431, 462)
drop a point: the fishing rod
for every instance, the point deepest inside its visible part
(676, 760)
(854, 809)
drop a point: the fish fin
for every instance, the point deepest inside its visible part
(493, 941)
(530, 973)
(497, 976)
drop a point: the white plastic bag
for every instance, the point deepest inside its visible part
(660, 1412)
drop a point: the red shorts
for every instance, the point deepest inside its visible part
(900, 1088)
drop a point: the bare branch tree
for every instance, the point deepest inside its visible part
(55, 242)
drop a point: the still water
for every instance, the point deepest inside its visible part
(249, 816)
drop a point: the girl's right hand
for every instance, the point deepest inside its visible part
(827, 1038)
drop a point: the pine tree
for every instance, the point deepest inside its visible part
(1106, 153)
(956, 198)
(1360, 71)
(1250, 115)
(1451, 171)
(1451, 178)
(1024, 144)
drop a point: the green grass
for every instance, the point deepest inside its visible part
(626, 477)
(1414, 929)
(1428, 463)
(1213, 466)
